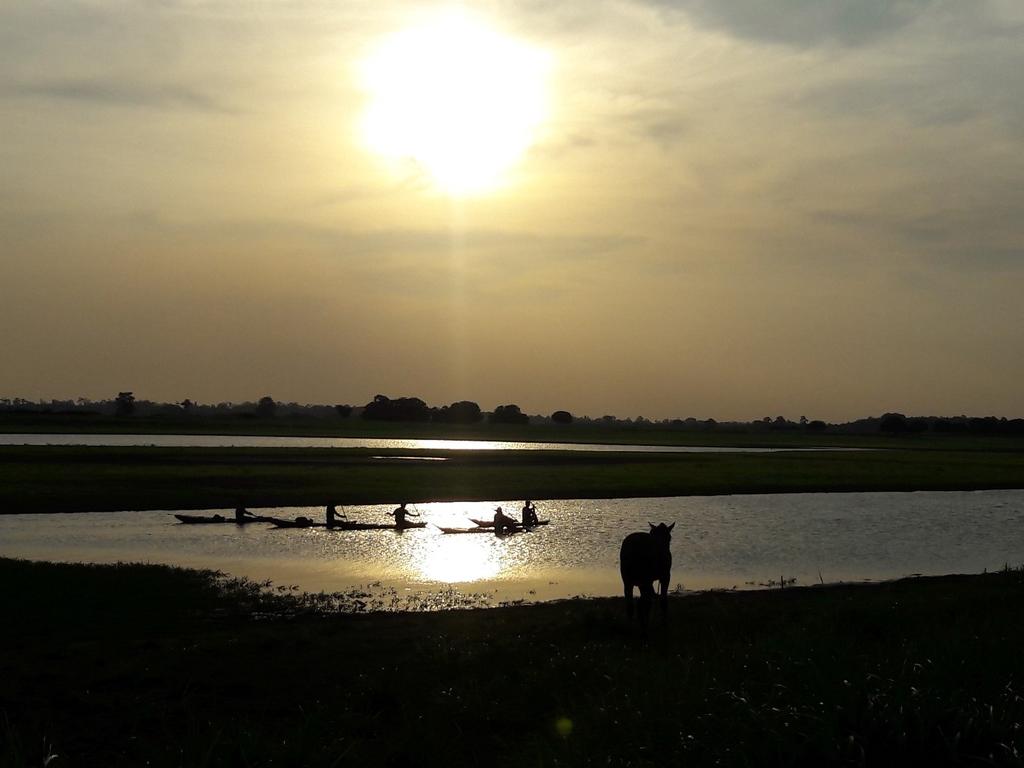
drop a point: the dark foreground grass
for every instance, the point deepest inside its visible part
(72, 479)
(136, 665)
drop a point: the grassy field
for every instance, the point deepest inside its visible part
(145, 665)
(67, 479)
(574, 433)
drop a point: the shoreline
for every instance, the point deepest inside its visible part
(282, 597)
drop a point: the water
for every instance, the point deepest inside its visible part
(718, 542)
(265, 441)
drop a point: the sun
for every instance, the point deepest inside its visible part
(458, 98)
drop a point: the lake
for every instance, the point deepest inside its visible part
(719, 542)
(264, 441)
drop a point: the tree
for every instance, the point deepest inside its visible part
(561, 417)
(124, 404)
(508, 414)
(343, 411)
(893, 423)
(266, 407)
(377, 409)
(461, 412)
(383, 408)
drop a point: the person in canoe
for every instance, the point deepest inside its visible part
(242, 514)
(502, 522)
(529, 513)
(400, 513)
(333, 517)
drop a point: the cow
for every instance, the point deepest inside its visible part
(643, 559)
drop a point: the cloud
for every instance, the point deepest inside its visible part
(804, 23)
(664, 127)
(973, 260)
(381, 245)
(525, 244)
(976, 240)
(119, 93)
(920, 100)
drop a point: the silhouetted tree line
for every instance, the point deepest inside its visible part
(897, 423)
(508, 414)
(561, 417)
(383, 408)
(462, 412)
(125, 405)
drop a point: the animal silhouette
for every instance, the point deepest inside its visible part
(643, 559)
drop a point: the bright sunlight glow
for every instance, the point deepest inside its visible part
(461, 559)
(456, 97)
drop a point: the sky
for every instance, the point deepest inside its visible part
(660, 208)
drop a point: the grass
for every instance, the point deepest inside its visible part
(575, 433)
(69, 478)
(132, 665)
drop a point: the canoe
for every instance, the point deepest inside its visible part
(490, 523)
(206, 520)
(197, 519)
(482, 529)
(342, 525)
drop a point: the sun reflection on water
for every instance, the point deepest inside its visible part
(459, 559)
(449, 559)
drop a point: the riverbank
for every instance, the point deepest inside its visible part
(75, 479)
(126, 665)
